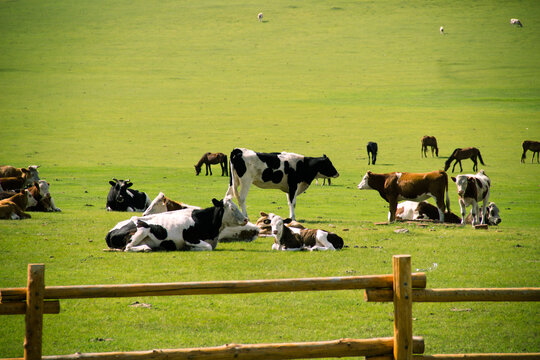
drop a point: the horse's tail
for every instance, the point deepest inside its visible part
(480, 158)
(525, 146)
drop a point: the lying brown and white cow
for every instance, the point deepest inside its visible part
(13, 208)
(11, 171)
(411, 210)
(396, 186)
(161, 204)
(473, 189)
(293, 239)
(264, 224)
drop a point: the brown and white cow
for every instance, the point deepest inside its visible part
(294, 239)
(397, 186)
(13, 207)
(11, 171)
(264, 224)
(473, 189)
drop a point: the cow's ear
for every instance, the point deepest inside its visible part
(369, 172)
(453, 179)
(25, 171)
(287, 221)
(263, 213)
(112, 183)
(217, 203)
(128, 184)
(324, 156)
(36, 184)
(267, 221)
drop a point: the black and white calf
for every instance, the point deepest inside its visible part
(187, 229)
(293, 239)
(121, 198)
(288, 172)
(492, 213)
(473, 189)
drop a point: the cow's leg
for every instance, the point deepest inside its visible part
(200, 246)
(141, 234)
(242, 195)
(463, 210)
(440, 206)
(484, 206)
(140, 248)
(392, 209)
(322, 242)
(475, 214)
(292, 205)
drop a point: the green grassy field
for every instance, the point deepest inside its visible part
(140, 90)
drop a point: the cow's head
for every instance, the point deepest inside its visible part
(31, 201)
(493, 214)
(276, 223)
(326, 168)
(33, 170)
(461, 183)
(120, 189)
(364, 184)
(232, 216)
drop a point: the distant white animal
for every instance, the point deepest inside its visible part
(260, 17)
(516, 22)
(441, 29)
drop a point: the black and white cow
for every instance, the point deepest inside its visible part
(121, 198)
(187, 229)
(473, 189)
(288, 172)
(294, 239)
(492, 214)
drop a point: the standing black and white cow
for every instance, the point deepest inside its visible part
(288, 172)
(473, 189)
(187, 229)
(121, 198)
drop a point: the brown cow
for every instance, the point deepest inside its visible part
(10, 171)
(13, 207)
(14, 183)
(396, 186)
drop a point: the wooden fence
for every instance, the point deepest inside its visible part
(402, 288)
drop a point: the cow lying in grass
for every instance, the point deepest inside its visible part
(187, 229)
(161, 204)
(13, 207)
(412, 210)
(294, 239)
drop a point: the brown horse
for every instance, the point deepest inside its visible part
(534, 146)
(212, 159)
(429, 141)
(465, 153)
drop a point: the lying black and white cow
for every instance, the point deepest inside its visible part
(121, 198)
(293, 239)
(161, 204)
(412, 210)
(187, 229)
(473, 189)
(492, 213)
(288, 172)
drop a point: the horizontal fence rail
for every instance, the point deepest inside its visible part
(212, 287)
(319, 349)
(402, 288)
(459, 295)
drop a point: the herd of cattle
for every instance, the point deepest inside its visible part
(169, 225)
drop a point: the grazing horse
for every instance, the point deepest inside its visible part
(430, 141)
(465, 153)
(212, 159)
(534, 146)
(372, 149)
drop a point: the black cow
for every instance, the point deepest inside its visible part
(121, 198)
(372, 149)
(288, 172)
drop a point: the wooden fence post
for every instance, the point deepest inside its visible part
(402, 307)
(34, 312)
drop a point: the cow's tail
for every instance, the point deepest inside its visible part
(446, 190)
(480, 158)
